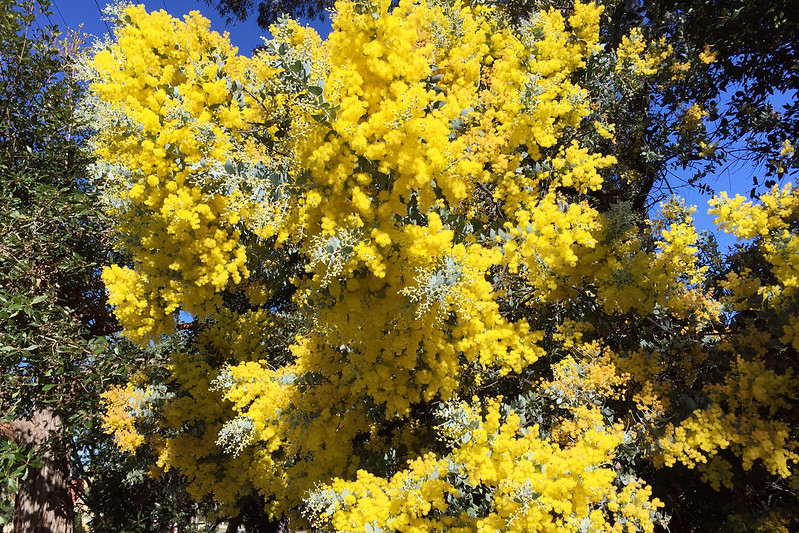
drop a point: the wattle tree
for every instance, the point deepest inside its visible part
(415, 289)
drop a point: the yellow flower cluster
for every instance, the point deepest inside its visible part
(167, 124)
(787, 149)
(771, 223)
(707, 55)
(692, 119)
(536, 485)
(122, 405)
(428, 96)
(559, 246)
(746, 406)
(638, 56)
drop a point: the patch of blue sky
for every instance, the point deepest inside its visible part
(87, 16)
(738, 174)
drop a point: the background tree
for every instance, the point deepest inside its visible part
(54, 360)
(49, 289)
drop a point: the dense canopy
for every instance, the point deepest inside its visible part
(414, 283)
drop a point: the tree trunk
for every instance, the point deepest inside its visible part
(233, 525)
(44, 502)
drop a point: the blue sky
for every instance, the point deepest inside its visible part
(247, 35)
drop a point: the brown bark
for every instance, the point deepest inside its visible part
(233, 525)
(43, 503)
